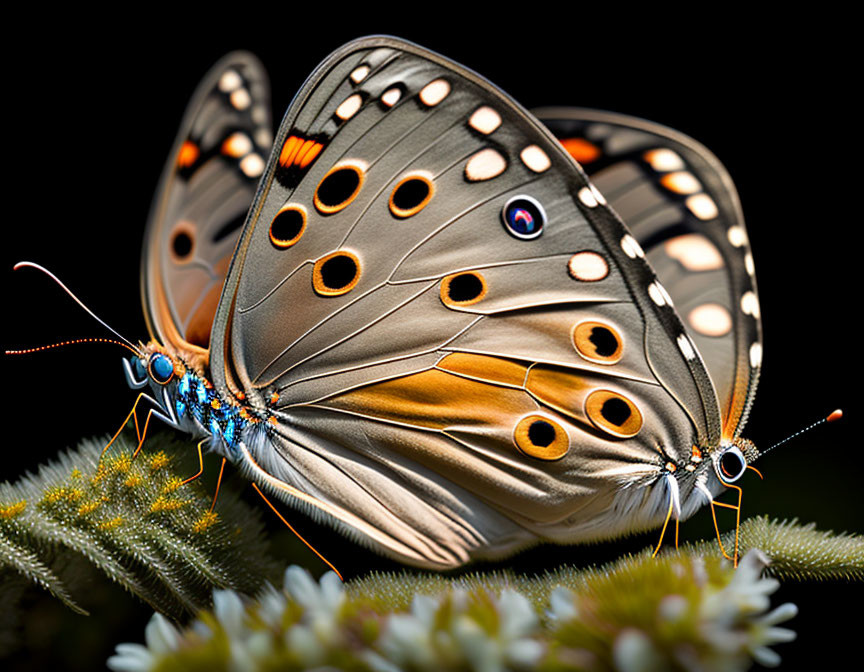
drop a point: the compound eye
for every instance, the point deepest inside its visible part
(730, 465)
(161, 368)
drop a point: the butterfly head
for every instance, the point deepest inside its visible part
(154, 366)
(731, 460)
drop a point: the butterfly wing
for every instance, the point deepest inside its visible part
(681, 205)
(206, 187)
(447, 385)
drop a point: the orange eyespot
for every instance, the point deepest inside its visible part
(541, 437)
(598, 342)
(338, 188)
(336, 273)
(288, 226)
(411, 195)
(613, 413)
(463, 289)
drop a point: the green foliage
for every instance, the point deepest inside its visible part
(803, 553)
(136, 522)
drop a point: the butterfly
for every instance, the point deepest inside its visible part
(430, 329)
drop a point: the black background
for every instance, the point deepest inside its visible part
(92, 111)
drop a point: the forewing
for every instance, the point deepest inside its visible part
(450, 388)
(681, 205)
(205, 192)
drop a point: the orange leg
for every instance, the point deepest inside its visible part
(737, 510)
(663, 532)
(218, 483)
(132, 414)
(143, 433)
(200, 468)
(327, 562)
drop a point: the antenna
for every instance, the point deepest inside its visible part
(832, 417)
(25, 264)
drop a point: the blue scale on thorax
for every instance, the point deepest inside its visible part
(196, 399)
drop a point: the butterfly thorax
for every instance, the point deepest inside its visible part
(188, 400)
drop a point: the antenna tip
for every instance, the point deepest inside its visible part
(836, 415)
(20, 264)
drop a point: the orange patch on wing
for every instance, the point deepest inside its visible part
(188, 154)
(435, 399)
(485, 368)
(559, 389)
(581, 150)
(299, 152)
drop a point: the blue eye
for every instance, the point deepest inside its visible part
(523, 217)
(161, 369)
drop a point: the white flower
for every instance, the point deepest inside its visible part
(634, 652)
(764, 634)
(730, 616)
(161, 638)
(562, 605)
(428, 639)
(324, 598)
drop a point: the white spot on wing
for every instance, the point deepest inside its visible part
(229, 81)
(756, 355)
(663, 160)
(710, 319)
(434, 92)
(587, 197)
(349, 107)
(703, 206)
(391, 96)
(485, 165)
(681, 182)
(686, 347)
(237, 145)
(485, 120)
(737, 235)
(659, 295)
(241, 99)
(748, 264)
(359, 74)
(587, 267)
(252, 165)
(631, 248)
(694, 252)
(535, 158)
(750, 304)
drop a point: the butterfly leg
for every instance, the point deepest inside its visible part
(218, 483)
(312, 548)
(133, 414)
(665, 525)
(200, 467)
(737, 510)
